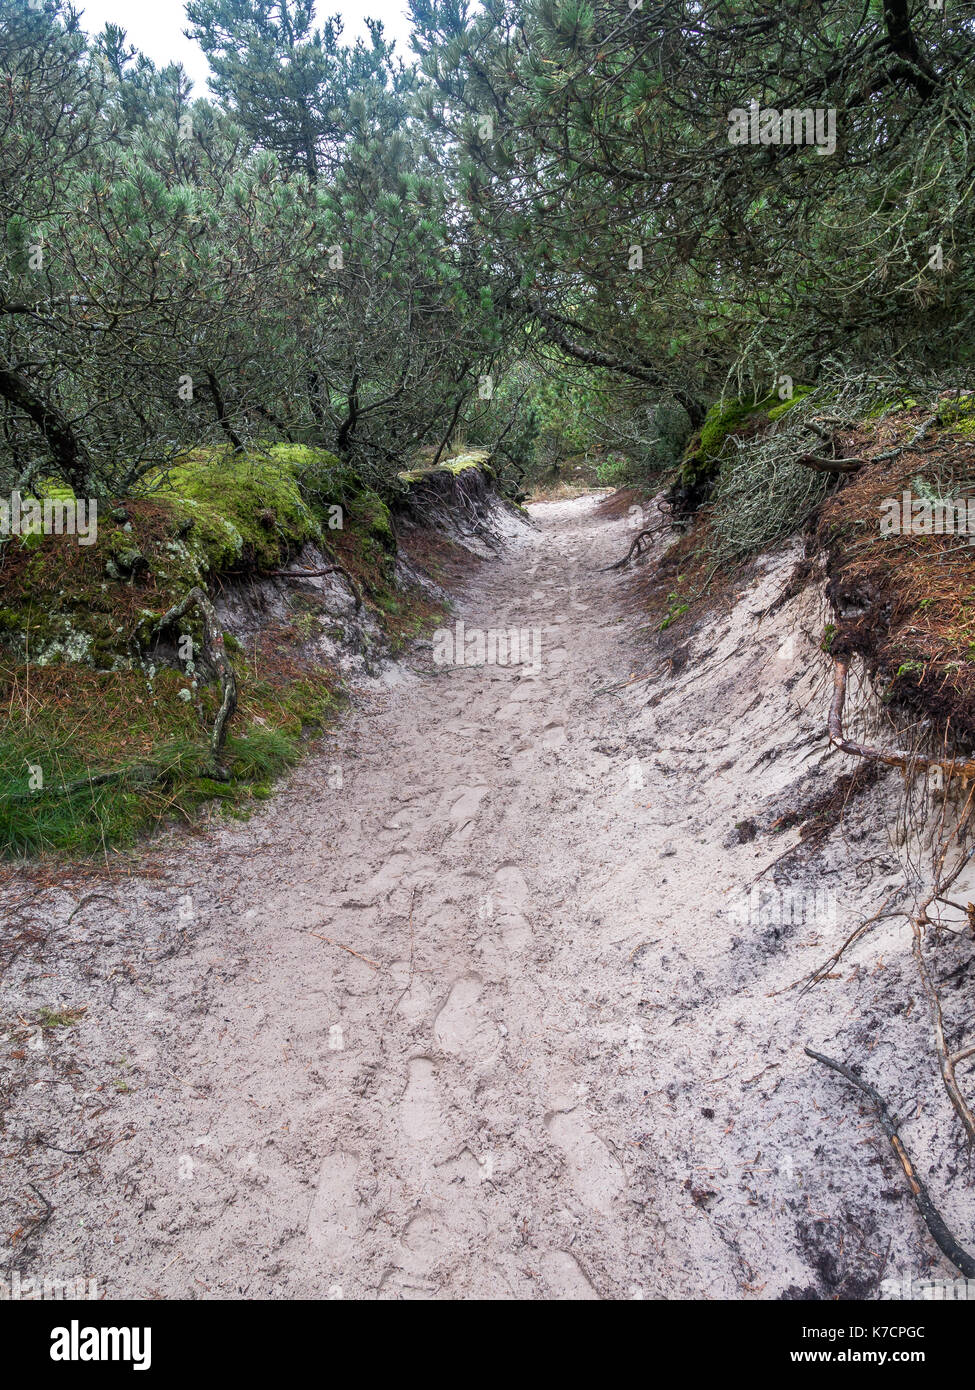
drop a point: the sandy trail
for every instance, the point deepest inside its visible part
(535, 1058)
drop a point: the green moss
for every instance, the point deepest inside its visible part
(54, 487)
(958, 417)
(783, 408)
(476, 458)
(202, 542)
(460, 463)
(323, 479)
(250, 504)
(69, 615)
(369, 515)
(888, 407)
(724, 417)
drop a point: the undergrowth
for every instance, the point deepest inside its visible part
(99, 747)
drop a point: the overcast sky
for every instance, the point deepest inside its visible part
(156, 26)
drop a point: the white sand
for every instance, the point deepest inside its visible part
(576, 1071)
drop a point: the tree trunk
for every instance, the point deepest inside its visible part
(67, 450)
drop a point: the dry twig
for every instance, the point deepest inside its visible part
(943, 1238)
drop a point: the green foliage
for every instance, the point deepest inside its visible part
(614, 472)
(283, 266)
(69, 816)
(618, 133)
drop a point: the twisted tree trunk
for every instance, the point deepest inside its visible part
(215, 654)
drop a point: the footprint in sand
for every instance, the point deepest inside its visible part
(460, 1026)
(383, 881)
(421, 1114)
(463, 811)
(414, 1000)
(592, 1169)
(424, 1241)
(565, 1277)
(336, 1216)
(553, 735)
(512, 890)
(512, 895)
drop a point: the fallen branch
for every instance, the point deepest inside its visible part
(642, 541)
(943, 1238)
(824, 465)
(923, 429)
(850, 465)
(342, 947)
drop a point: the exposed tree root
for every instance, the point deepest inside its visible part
(893, 757)
(435, 501)
(641, 542)
(948, 1058)
(215, 655)
(943, 1238)
(318, 574)
(824, 971)
(639, 545)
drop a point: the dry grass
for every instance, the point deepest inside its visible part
(563, 492)
(912, 598)
(685, 581)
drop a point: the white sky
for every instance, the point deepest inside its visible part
(156, 27)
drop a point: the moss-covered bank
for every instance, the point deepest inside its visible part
(104, 737)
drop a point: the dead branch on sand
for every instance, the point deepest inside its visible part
(932, 1218)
